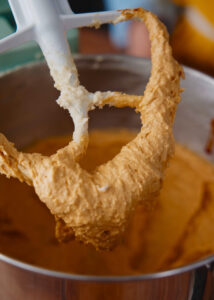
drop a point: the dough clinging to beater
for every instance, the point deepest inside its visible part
(76, 197)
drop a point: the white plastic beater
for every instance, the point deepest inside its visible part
(46, 22)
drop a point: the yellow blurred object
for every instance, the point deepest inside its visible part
(193, 37)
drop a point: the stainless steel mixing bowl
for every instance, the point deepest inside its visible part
(28, 112)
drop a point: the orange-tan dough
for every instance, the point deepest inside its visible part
(176, 228)
(96, 206)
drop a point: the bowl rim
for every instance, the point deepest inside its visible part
(207, 261)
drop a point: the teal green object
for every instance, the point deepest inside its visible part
(5, 11)
(28, 52)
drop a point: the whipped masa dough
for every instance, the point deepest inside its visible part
(172, 229)
(96, 206)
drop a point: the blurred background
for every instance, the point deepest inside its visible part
(189, 22)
